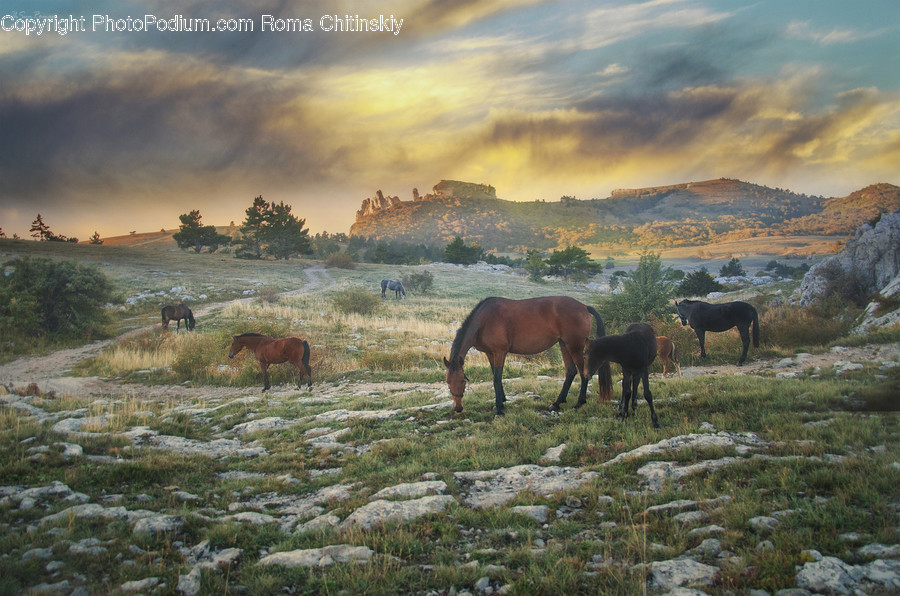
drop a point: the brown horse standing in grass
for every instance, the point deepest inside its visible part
(269, 351)
(635, 351)
(665, 349)
(176, 312)
(499, 326)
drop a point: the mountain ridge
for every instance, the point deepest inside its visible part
(686, 214)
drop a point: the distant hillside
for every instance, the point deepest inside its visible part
(160, 239)
(660, 217)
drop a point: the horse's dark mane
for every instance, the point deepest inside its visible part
(251, 335)
(461, 333)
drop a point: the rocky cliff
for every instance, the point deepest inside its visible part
(689, 214)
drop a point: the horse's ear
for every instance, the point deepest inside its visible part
(446, 362)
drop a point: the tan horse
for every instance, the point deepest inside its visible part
(500, 326)
(270, 351)
(665, 349)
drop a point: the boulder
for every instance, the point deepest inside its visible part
(872, 256)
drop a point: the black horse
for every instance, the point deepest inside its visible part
(635, 351)
(176, 312)
(703, 317)
(395, 286)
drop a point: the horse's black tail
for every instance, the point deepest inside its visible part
(601, 328)
(305, 361)
(604, 376)
(755, 329)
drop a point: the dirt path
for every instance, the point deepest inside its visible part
(54, 366)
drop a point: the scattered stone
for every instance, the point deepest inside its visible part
(496, 487)
(263, 424)
(763, 523)
(411, 490)
(674, 573)
(140, 585)
(158, 524)
(554, 453)
(382, 511)
(320, 557)
(318, 524)
(537, 512)
(720, 440)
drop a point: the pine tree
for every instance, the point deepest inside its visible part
(39, 230)
(283, 233)
(95, 239)
(192, 234)
(251, 244)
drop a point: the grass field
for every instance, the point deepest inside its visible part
(157, 465)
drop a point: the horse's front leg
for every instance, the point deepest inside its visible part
(497, 363)
(701, 336)
(264, 366)
(649, 397)
(626, 394)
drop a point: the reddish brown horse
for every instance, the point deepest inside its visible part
(499, 326)
(269, 351)
(665, 349)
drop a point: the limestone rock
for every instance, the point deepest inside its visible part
(495, 487)
(674, 573)
(872, 255)
(320, 557)
(381, 511)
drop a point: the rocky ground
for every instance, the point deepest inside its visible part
(680, 573)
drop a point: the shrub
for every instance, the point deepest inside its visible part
(732, 269)
(357, 300)
(340, 260)
(698, 283)
(645, 293)
(793, 327)
(196, 358)
(40, 297)
(418, 282)
(847, 285)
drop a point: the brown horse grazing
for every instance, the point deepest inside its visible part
(176, 312)
(665, 349)
(269, 350)
(499, 326)
(635, 351)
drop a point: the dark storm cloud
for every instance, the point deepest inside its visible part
(149, 128)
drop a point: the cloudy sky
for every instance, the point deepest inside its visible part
(124, 130)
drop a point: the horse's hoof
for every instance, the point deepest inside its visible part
(501, 413)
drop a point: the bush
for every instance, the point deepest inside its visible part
(732, 269)
(340, 260)
(645, 293)
(698, 283)
(846, 285)
(43, 298)
(357, 300)
(794, 327)
(418, 282)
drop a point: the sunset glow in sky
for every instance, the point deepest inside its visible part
(124, 130)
